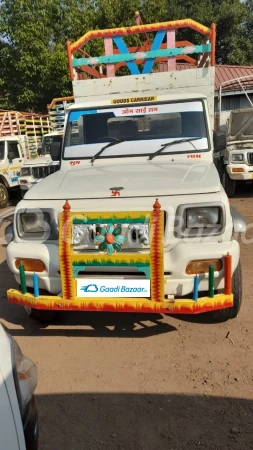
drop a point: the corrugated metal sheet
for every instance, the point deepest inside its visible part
(226, 72)
(222, 73)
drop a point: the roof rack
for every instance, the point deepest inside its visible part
(140, 59)
(31, 126)
(57, 111)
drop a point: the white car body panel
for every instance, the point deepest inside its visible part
(11, 429)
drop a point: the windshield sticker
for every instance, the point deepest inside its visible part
(118, 101)
(143, 110)
(75, 115)
(157, 109)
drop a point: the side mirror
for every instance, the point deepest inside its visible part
(239, 223)
(9, 233)
(39, 150)
(55, 151)
(11, 156)
(220, 140)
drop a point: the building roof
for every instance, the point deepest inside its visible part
(227, 72)
(223, 73)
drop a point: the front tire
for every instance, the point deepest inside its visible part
(4, 196)
(40, 315)
(222, 315)
(228, 184)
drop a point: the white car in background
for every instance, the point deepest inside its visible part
(18, 411)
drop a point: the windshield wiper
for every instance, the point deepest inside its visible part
(168, 144)
(115, 142)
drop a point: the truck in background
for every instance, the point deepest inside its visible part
(136, 219)
(36, 170)
(33, 171)
(235, 163)
(20, 136)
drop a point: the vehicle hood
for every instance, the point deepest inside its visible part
(240, 125)
(131, 180)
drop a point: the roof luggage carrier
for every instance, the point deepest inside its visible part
(159, 46)
(57, 112)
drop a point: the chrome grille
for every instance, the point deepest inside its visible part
(44, 171)
(250, 158)
(136, 236)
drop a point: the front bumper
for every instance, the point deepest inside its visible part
(177, 282)
(246, 175)
(178, 306)
(31, 426)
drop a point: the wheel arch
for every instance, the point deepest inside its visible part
(4, 181)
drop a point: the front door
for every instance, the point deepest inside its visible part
(15, 162)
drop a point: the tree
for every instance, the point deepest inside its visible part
(33, 35)
(34, 61)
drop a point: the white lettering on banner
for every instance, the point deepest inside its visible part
(112, 288)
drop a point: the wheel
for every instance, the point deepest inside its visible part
(4, 196)
(228, 184)
(222, 315)
(40, 315)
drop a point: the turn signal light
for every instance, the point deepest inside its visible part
(195, 267)
(30, 265)
(235, 170)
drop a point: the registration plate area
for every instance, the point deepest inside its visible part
(112, 288)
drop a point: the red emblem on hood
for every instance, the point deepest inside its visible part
(116, 191)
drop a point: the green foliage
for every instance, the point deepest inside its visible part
(33, 35)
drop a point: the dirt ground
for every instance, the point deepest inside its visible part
(135, 382)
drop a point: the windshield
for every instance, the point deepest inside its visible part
(150, 125)
(1, 150)
(46, 143)
(242, 124)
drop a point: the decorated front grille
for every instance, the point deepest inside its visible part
(110, 237)
(110, 234)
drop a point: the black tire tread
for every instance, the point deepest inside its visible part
(228, 184)
(40, 315)
(4, 203)
(222, 315)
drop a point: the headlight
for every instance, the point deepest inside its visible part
(195, 220)
(37, 224)
(199, 217)
(34, 222)
(25, 376)
(237, 157)
(25, 171)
